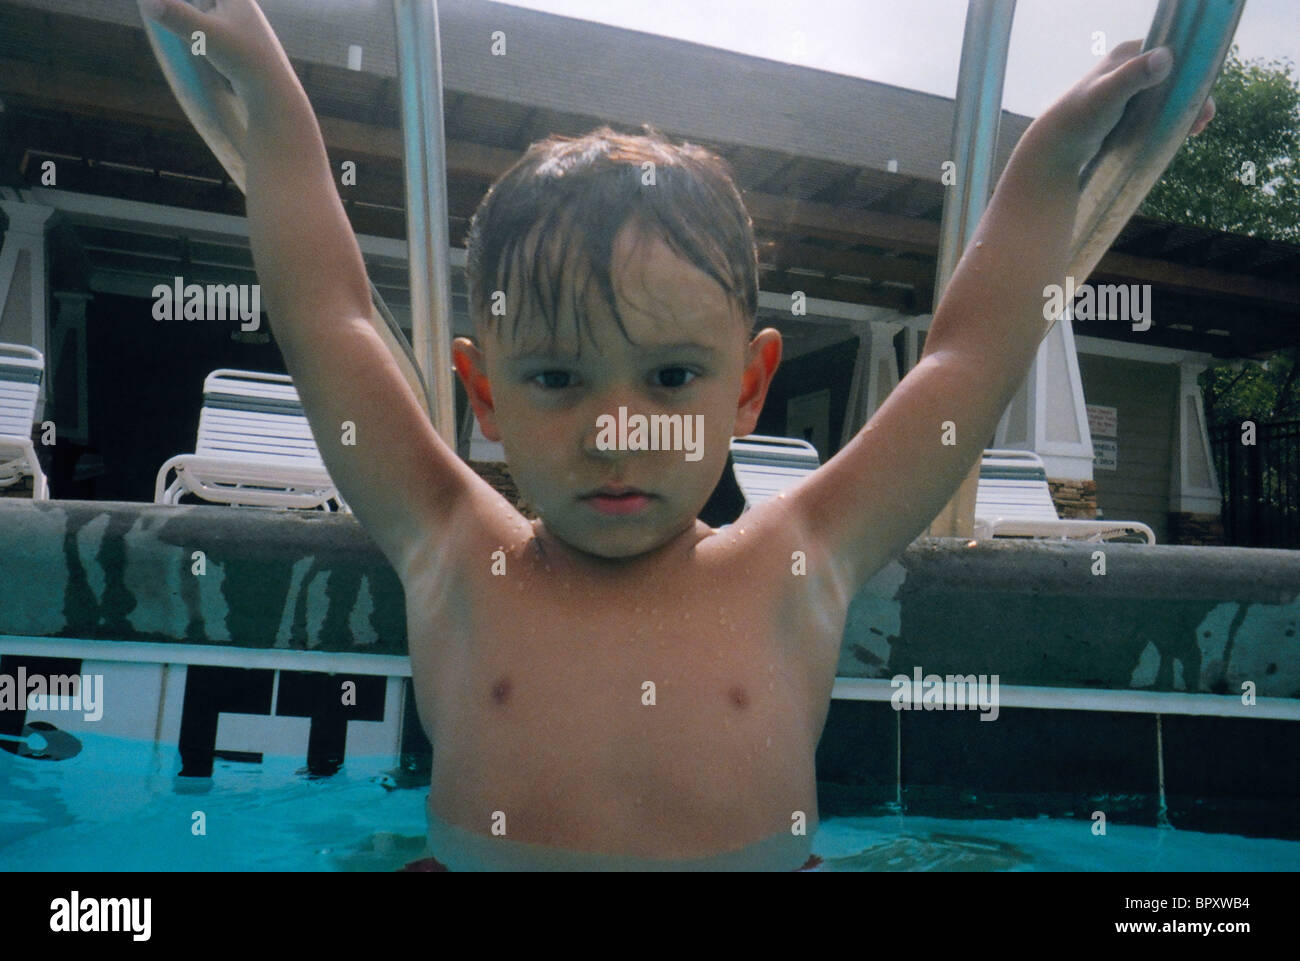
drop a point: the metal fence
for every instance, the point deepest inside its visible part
(1260, 483)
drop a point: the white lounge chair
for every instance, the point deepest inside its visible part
(21, 371)
(255, 448)
(765, 465)
(1014, 501)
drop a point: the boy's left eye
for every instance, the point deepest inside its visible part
(675, 375)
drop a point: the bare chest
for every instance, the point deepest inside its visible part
(598, 657)
(644, 700)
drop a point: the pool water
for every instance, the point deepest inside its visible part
(73, 815)
(906, 843)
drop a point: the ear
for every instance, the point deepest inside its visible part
(764, 358)
(471, 368)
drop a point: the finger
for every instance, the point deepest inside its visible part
(1121, 52)
(1137, 74)
(1207, 114)
(176, 16)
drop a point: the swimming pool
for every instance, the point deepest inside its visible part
(1119, 696)
(120, 805)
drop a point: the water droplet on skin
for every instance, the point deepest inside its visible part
(979, 243)
(771, 685)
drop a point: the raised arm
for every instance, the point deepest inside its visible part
(878, 494)
(400, 478)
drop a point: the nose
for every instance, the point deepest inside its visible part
(604, 425)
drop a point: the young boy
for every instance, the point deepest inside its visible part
(616, 684)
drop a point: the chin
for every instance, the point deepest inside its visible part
(611, 543)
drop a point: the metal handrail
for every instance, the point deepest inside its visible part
(221, 119)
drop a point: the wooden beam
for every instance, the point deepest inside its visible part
(789, 215)
(1196, 280)
(786, 252)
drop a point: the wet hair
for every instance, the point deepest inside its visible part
(566, 199)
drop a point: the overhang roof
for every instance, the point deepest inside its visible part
(79, 85)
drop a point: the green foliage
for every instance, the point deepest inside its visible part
(1257, 121)
(1255, 391)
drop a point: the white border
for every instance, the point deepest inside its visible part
(324, 662)
(845, 688)
(1081, 699)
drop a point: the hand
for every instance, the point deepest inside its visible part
(1074, 128)
(240, 44)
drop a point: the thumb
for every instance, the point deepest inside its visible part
(176, 16)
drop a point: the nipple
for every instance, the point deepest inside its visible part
(501, 690)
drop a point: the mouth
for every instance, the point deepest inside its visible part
(613, 499)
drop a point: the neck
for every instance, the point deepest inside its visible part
(551, 548)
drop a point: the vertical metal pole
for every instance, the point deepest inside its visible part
(977, 112)
(1256, 510)
(419, 74)
(1233, 491)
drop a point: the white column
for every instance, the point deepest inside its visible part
(912, 330)
(884, 366)
(875, 374)
(23, 279)
(1047, 415)
(1193, 486)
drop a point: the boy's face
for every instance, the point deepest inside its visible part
(688, 356)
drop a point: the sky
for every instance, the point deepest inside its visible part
(917, 43)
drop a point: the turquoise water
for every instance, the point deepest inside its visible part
(75, 815)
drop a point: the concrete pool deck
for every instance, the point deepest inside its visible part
(1161, 618)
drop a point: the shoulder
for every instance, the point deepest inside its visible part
(777, 551)
(481, 529)
(774, 547)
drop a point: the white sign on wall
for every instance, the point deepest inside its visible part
(1103, 424)
(1103, 421)
(1105, 454)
